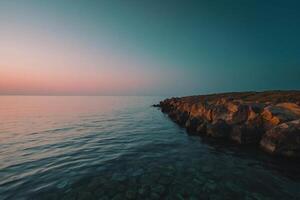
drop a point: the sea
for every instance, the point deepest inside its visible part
(120, 147)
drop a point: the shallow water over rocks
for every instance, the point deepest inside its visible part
(121, 148)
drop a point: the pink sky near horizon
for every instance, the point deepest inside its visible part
(45, 64)
(45, 53)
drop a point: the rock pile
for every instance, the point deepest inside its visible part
(269, 119)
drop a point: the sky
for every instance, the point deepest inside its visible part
(139, 47)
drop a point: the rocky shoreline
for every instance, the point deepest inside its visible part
(269, 120)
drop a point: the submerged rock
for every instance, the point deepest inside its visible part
(255, 118)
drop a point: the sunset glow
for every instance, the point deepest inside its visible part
(115, 48)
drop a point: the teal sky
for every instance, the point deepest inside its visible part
(148, 47)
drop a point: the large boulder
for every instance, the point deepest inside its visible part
(292, 107)
(283, 139)
(245, 112)
(220, 112)
(241, 114)
(280, 113)
(248, 133)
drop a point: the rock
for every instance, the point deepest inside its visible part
(201, 128)
(218, 129)
(156, 105)
(283, 139)
(219, 112)
(179, 117)
(192, 124)
(247, 133)
(241, 115)
(244, 117)
(243, 134)
(274, 115)
(292, 107)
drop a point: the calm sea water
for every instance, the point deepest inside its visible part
(121, 148)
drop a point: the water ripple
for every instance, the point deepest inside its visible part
(121, 148)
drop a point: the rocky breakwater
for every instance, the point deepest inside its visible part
(270, 120)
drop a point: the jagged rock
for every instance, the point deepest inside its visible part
(274, 115)
(247, 133)
(201, 128)
(219, 129)
(241, 115)
(179, 117)
(292, 107)
(192, 124)
(244, 117)
(283, 139)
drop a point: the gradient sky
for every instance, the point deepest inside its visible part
(148, 47)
